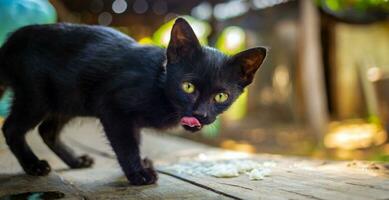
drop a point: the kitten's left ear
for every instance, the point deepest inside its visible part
(249, 62)
(183, 41)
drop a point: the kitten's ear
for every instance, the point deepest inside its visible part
(183, 42)
(248, 62)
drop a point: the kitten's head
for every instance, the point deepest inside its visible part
(201, 81)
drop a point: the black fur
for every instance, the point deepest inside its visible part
(61, 71)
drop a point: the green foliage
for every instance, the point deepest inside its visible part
(361, 5)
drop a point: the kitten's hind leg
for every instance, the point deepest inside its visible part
(50, 130)
(15, 128)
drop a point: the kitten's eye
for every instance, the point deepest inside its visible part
(221, 97)
(188, 87)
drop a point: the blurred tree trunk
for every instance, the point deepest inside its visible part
(312, 69)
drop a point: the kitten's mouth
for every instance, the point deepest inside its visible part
(191, 124)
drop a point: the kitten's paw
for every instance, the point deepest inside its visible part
(83, 161)
(145, 176)
(40, 168)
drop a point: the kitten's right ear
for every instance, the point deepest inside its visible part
(183, 42)
(248, 62)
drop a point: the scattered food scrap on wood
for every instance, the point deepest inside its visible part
(226, 168)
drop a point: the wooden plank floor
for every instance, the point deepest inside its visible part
(291, 178)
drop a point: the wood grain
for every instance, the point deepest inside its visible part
(291, 178)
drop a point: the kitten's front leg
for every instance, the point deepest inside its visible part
(123, 136)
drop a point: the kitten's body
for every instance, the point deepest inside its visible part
(74, 70)
(61, 71)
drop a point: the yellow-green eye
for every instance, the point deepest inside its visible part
(221, 97)
(188, 87)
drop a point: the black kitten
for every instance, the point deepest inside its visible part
(61, 71)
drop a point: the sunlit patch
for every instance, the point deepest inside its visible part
(354, 135)
(374, 74)
(232, 40)
(281, 83)
(238, 146)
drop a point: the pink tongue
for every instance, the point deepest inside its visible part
(190, 121)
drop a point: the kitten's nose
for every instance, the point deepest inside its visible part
(200, 115)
